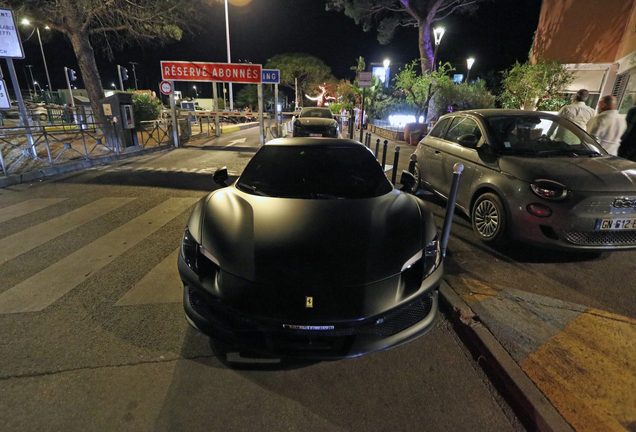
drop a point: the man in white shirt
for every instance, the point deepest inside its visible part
(608, 126)
(578, 112)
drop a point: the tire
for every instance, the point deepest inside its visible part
(44, 117)
(488, 217)
(418, 178)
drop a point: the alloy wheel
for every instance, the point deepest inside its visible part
(486, 218)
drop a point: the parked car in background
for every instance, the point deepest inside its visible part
(311, 253)
(532, 176)
(315, 122)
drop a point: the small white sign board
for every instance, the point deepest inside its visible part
(10, 43)
(5, 103)
(364, 79)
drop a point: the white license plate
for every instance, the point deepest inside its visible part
(615, 224)
(315, 135)
(303, 327)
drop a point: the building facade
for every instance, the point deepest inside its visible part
(595, 38)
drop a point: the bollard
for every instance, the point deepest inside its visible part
(450, 207)
(369, 139)
(377, 149)
(412, 164)
(386, 144)
(395, 164)
(351, 125)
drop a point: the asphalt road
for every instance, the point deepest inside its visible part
(93, 337)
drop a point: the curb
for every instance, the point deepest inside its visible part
(15, 179)
(525, 396)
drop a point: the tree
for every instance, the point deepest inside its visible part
(529, 86)
(108, 25)
(465, 95)
(389, 15)
(307, 69)
(420, 89)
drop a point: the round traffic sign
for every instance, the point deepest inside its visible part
(166, 87)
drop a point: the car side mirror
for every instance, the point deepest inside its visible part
(408, 181)
(468, 140)
(220, 176)
(487, 149)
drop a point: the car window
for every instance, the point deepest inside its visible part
(321, 113)
(440, 127)
(314, 172)
(541, 135)
(462, 126)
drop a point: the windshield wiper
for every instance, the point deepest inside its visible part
(254, 189)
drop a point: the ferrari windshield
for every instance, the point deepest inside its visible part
(314, 172)
(537, 135)
(317, 112)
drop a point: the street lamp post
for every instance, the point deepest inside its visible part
(438, 33)
(469, 63)
(46, 68)
(386, 64)
(229, 58)
(195, 91)
(31, 73)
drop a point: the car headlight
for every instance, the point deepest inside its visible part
(421, 265)
(550, 190)
(200, 260)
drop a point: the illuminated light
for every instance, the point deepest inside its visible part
(47, 28)
(25, 21)
(396, 120)
(539, 210)
(469, 62)
(439, 33)
(240, 3)
(386, 63)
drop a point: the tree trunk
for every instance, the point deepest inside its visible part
(426, 47)
(88, 68)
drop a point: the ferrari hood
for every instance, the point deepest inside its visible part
(594, 174)
(311, 242)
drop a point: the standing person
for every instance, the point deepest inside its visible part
(627, 149)
(608, 125)
(357, 110)
(343, 116)
(578, 112)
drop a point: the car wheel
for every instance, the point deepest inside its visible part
(43, 117)
(489, 219)
(418, 179)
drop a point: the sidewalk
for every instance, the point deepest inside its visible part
(565, 365)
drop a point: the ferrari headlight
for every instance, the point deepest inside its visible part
(190, 251)
(432, 256)
(550, 190)
(199, 259)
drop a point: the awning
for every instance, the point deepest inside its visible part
(587, 79)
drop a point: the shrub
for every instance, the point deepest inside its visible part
(146, 106)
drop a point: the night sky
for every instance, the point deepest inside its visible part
(499, 33)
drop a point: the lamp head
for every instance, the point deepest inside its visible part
(26, 21)
(386, 63)
(438, 33)
(470, 62)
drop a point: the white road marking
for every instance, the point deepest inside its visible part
(23, 241)
(161, 285)
(49, 285)
(26, 207)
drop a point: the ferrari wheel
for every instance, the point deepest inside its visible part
(489, 219)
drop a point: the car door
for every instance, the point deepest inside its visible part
(453, 150)
(429, 157)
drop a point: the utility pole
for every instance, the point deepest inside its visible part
(134, 73)
(296, 106)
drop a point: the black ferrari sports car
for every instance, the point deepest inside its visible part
(311, 253)
(316, 122)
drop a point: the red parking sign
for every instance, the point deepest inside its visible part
(201, 71)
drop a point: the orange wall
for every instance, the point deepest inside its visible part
(582, 31)
(629, 41)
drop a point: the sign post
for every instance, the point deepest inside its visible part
(364, 81)
(260, 113)
(217, 127)
(272, 76)
(10, 48)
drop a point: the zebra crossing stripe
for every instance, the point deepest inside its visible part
(49, 285)
(21, 242)
(161, 285)
(26, 207)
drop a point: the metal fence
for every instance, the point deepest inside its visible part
(36, 147)
(386, 125)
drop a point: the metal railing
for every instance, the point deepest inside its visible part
(36, 147)
(386, 125)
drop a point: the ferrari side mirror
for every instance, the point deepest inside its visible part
(220, 176)
(408, 181)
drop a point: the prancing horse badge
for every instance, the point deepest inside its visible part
(309, 302)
